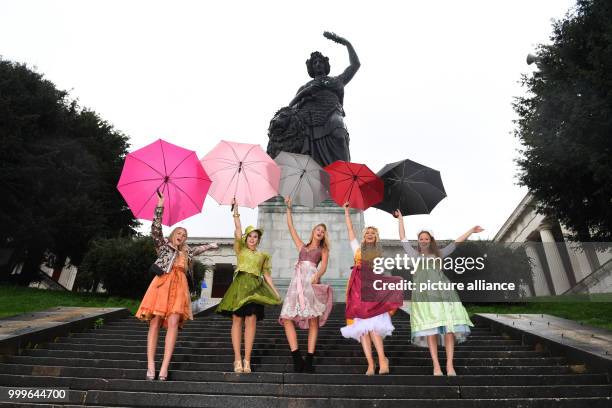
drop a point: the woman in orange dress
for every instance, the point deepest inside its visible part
(167, 302)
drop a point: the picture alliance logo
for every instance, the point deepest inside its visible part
(459, 265)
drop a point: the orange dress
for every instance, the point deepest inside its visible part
(168, 294)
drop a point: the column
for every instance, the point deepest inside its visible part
(539, 279)
(553, 258)
(578, 257)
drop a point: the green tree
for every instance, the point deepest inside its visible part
(59, 166)
(565, 123)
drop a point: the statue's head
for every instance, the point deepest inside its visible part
(317, 64)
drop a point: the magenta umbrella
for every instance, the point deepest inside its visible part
(242, 171)
(175, 171)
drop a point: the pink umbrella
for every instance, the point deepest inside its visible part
(175, 171)
(242, 171)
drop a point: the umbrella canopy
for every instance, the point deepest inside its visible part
(302, 179)
(242, 171)
(410, 187)
(354, 183)
(175, 171)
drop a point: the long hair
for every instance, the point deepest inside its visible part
(184, 248)
(370, 251)
(433, 245)
(324, 244)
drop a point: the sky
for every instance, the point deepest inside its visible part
(436, 83)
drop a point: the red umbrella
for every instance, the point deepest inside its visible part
(175, 171)
(354, 183)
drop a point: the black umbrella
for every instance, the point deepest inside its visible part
(411, 187)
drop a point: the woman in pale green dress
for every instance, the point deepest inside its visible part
(436, 317)
(251, 289)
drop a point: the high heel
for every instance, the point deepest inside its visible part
(451, 373)
(238, 366)
(384, 369)
(438, 373)
(162, 377)
(298, 361)
(370, 371)
(150, 377)
(246, 366)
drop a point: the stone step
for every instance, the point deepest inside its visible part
(321, 359)
(301, 378)
(423, 367)
(445, 397)
(381, 391)
(278, 345)
(285, 352)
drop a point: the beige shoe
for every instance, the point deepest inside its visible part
(370, 371)
(247, 366)
(238, 367)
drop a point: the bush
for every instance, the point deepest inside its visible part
(122, 266)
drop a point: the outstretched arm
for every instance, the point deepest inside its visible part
(296, 239)
(349, 223)
(354, 63)
(473, 230)
(203, 248)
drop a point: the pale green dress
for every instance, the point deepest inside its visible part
(435, 312)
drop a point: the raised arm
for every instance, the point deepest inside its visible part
(402, 233)
(349, 223)
(237, 226)
(296, 239)
(156, 227)
(354, 63)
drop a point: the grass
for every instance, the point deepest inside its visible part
(16, 300)
(598, 314)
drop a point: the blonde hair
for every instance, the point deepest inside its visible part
(365, 230)
(184, 248)
(372, 251)
(324, 244)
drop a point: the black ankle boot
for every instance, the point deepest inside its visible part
(298, 362)
(308, 367)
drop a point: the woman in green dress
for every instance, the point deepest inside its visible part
(251, 289)
(436, 317)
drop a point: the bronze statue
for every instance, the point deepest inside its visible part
(313, 122)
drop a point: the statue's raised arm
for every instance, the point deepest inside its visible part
(313, 122)
(354, 63)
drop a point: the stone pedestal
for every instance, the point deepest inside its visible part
(277, 240)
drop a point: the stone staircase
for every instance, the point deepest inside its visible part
(106, 367)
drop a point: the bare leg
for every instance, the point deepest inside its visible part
(171, 335)
(383, 363)
(152, 337)
(313, 334)
(366, 343)
(237, 336)
(250, 325)
(432, 341)
(291, 334)
(449, 344)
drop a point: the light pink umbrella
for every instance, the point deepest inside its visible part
(176, 172)
(242, 171)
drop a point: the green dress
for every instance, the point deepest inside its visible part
(435, 312)
(249, 291)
